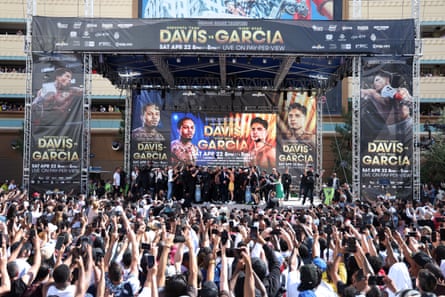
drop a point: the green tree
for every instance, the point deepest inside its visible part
(342, 148)
(433, 158)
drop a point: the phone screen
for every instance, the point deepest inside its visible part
(146, 246)
(253, 232)
(150, 261)
(59, 242)
(29, 217)
(233, 253)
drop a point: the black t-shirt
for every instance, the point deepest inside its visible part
(18, 287)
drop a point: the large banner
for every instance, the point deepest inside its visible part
(227, 35)
(57, 117)
(217, 139)
(297, 128)
(150, 131)
(386, 126)
(204, 129)
(274, 9)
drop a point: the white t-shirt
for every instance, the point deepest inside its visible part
(69, 291)
(293, 281)
(23, 266)
(116, 179)
(170, 176)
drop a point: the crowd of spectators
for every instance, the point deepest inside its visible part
(106, 108)
(12, 69)
(120, 243)
(9, 106)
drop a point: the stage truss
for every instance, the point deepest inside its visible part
(279, 83)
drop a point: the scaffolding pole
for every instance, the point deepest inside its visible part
(415, 6)
(86, 127)
(30, 11)
(127, 132)
(356, 64)
(319, 146)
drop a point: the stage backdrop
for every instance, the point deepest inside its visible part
(57, 118)
(219, 129)
(386, 126)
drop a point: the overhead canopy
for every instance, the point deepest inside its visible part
(222, 54)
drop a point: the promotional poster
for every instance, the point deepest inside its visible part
(150, 132)
(232, 140)
(213, 130)
(297, 128)
(386, 126)
(57, 117)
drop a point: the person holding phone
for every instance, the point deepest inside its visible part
(117, 281)
(19, 279)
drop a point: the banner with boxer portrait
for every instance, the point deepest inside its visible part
(297, 128)
(386, 128)
(56, 123)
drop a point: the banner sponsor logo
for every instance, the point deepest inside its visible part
(222, 35)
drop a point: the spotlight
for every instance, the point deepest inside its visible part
(15, 145)
(211, 60)
(264, 61)
(116, 145)
(234, 60)
(178, 60)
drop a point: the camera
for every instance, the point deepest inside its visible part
(233, 253)
(328, 229)
(351, 246)
(376, 280)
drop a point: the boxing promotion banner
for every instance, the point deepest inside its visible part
(57, 117)
(231, 35)
(216, 139)
(297, 128)
(386, 124)
(150, 131)
(165, 133)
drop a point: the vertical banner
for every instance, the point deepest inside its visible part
(297, 128)
(57, 117)
(150, 130)
(386, 147)
(231, 139)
